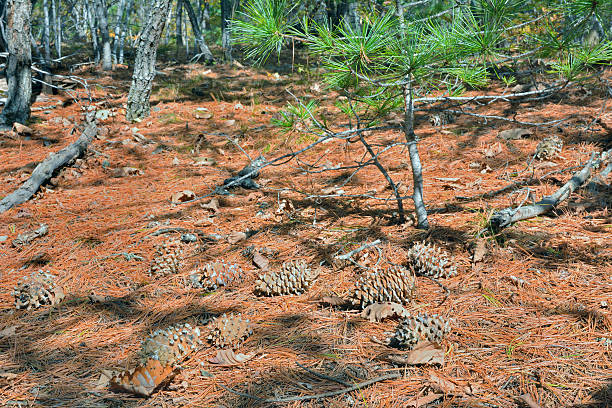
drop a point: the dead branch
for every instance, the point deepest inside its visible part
(315, 396)
(361, 248)
(47, 167)
(508, 216)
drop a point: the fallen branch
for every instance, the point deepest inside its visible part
(508, 216)
(315, 396)
(44, 171)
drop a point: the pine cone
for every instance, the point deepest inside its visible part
(428, 260)
(229, 331)
(392, 284)
(294, 278)
(36, 290)
(171, 345)
(168, 257)
(213, 275)
(549, 148)
(420, 327)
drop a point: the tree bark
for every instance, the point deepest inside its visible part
(44, 171)
(46, 32)
(57, 24)
(118, 27)
(123, 31)
(415, 160)
(138, 105)
(19, 64)
(228, 7)
(193, 18)
(179, 25)
(93, 27)
(101, 12)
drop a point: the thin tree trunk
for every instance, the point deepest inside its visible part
(46, 32)
(208, 57)
(93, 27)
(320, 13)
(118, 24)
(101, 12)
(138, 105)
(3, 41)
(228, 7)
(415, 160)
(399, 11)
(126, 19)
(57, 26)
(179, 24)
(19, 64)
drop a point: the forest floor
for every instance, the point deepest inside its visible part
(533, 317)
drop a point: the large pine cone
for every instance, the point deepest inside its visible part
(214, 275)
(420, 327)
(294, 278)
(549, 148)
(392, 284)
(229, 331)
(36, 290)
(428, 260)
(168, 258)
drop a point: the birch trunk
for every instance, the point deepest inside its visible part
(101, 13)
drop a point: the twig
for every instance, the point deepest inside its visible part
(323, 376)
(361, 248)
(315, 396)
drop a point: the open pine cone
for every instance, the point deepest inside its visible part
(214, 275)
(549, 148)
(429, 260)
(168, 258)
(229, 331)
(160, 354)
(36, 290)
(392, 284)
(420, 327)
(294, 278)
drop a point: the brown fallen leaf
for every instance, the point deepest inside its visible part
(236, 236)
(103, 381)
(212, 205)
(333, 301)
(493, 150)
(417, 402)
(8, 332)
(452, 387)
(480, 250)
(127, 171)
(378, 311)
(182, 196)
(8, 376)
(423, 353)
(513, 134)
(529, 401)
(229, 358)
(260, 261)
(22, 130)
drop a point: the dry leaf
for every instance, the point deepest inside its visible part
(235, 237)
(22, 130)
(423, 353)
(333, 301)
(229, 358)
(9, 331)
(144, 379)
(213, 206)
(260, 261)
(182, 196)
(480, 250)
(493, 150)
(529, 401)
(127, 171)
(418, 402)
(104, 380)
(513, 134)
(229, 122)
(378, 311)
(204, 161)
(8, 376)
(451, 387)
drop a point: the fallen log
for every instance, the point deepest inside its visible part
(47, 167)
(508, 216)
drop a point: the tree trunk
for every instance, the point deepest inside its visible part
(351, 15)
(138, 105)
(228, 7)
(46, 32)
(320, 13)
(19, 64)
(415, 160)
(93, 27)
(179, 25)
(124, 22)
(193, 18)
(118, 24)
(107, 61)
(3, 44)
(57, 27)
